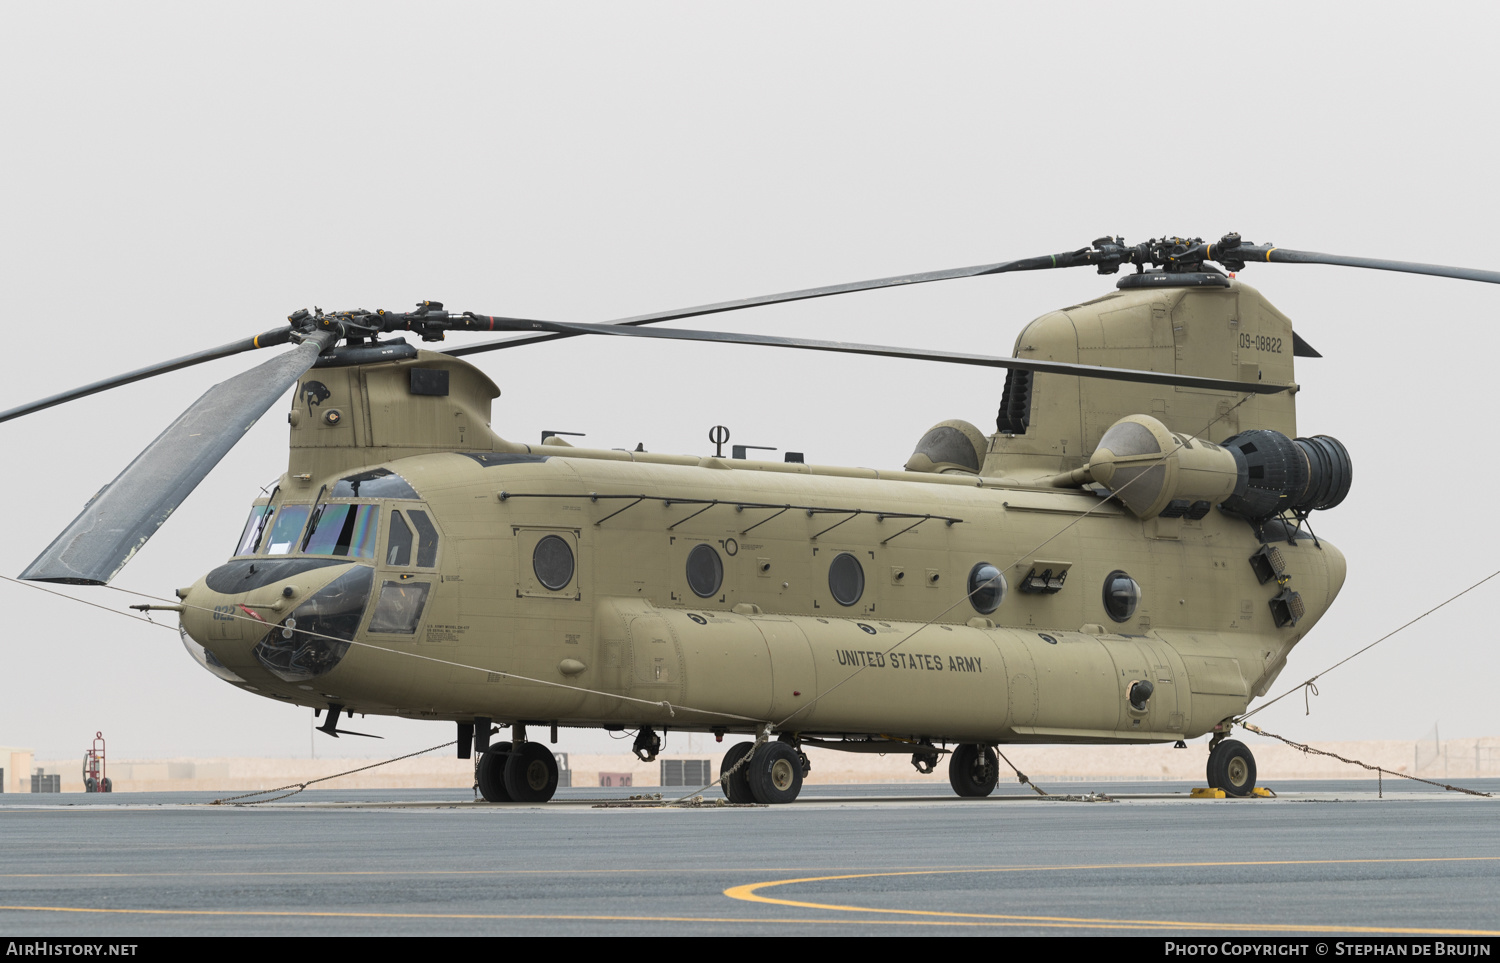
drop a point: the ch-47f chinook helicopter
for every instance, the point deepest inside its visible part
(1124, 560)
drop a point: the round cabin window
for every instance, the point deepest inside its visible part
(1121, 596)
(846, 579)
(552, 561)
(705, 571)
(986, 588)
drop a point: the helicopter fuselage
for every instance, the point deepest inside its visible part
(613, 588)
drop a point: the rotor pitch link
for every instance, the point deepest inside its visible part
(948, 357)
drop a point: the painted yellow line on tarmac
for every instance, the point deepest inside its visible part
(207, 874)
(776, 921)
(749, 893)
(730, 870)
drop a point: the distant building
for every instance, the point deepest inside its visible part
(15, 769)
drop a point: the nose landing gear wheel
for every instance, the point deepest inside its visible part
(775, 773)
(973, 770)
(736, 786)
(1231, 768)
(492, 773)
(531, 773)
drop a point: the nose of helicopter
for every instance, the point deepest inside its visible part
(292, 618)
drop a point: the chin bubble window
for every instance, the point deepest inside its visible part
(1122, 594)
(316, 636)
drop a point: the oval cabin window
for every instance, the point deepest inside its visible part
(846, 579)
(705, 571)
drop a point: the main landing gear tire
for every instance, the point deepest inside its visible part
(736, 786)
(492, 773)
(775, 773)
(973, 770)
(531, 773)
(1231, 768)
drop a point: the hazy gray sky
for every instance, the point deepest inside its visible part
(180, 175)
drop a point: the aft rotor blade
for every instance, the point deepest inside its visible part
(120, 519)
(949, 357)
(1265, 253)
(267, 339)
(1046, 261)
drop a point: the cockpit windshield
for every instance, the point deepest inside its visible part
(255, 527)
(286, 528)
(343, 529)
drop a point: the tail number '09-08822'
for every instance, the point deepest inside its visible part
(1260, 342)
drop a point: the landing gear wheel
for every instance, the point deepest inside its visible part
(492, 773)
(107, 785)
(1231, 768)
(973, 770)
(737, 786)
(775, 774)
(531, 773)
(89, 785)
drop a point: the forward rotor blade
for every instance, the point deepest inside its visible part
(949, 357)
(120, 519)
(269, 338)
(1265, 253)
(1046, 261)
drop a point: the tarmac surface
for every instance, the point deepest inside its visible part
(1323, 859)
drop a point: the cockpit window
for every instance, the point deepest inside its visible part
(400, 607)
(427, 545)
(398, 544)
(342, 529)
(398, 548)
(255, 527)
(375, 483)
(286, 528)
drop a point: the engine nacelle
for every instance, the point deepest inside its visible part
(1254, 475)
(1153, 471)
